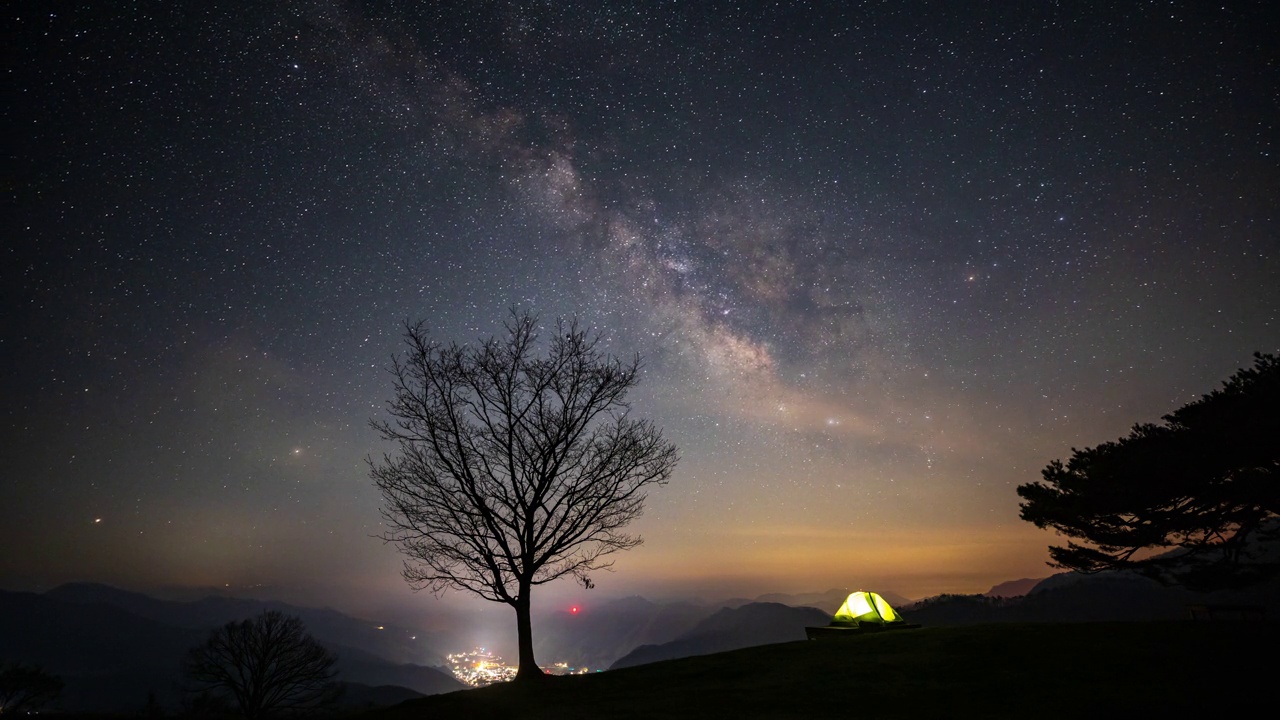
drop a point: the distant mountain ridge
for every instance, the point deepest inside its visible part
(114, 647)
(1013, 588)
(326, 624)
(598, 635)
(1074, 597)
(112, 657)
(1111, 595)
(829, 600)
(117, 671)
(731, 629)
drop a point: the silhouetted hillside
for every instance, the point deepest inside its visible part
(358, 666)
(600, 635)
(87, 639)
(1072, 597)
(830, 600)
(597, 636)
(1013, 588)
(331, 627)
(360, 696)
(730, 629)
(1015, 671)
(111, 659)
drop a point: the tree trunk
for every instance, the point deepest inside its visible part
(529, 669)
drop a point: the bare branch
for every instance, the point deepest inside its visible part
(266, 666)
(512, 470)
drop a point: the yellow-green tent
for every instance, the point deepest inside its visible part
(865, 607)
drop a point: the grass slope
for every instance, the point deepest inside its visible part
(1159, 669)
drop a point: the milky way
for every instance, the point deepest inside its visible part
(883, 262)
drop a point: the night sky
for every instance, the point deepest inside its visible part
(883, 261)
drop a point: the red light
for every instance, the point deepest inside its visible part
(574, 609)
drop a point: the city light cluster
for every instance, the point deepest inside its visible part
(480, 667)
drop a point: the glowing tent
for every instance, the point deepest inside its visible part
(862, 611)
(865, 607)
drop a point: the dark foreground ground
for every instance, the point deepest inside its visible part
(1111, 670)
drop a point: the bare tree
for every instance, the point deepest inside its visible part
(514, 470)
(266, 666)
(24, 689)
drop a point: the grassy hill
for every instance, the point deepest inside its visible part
(1157, 669)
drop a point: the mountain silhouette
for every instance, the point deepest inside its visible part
(1013, 588)
(112, 658)
(1075, 597)
(331, 627)
(596, 636)
(831, 599)
(730, 629)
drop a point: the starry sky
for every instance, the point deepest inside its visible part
(883, 261)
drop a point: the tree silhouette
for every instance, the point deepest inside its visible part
(265, 666)
(1205, 486)
(514, 470)
(26, 688)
